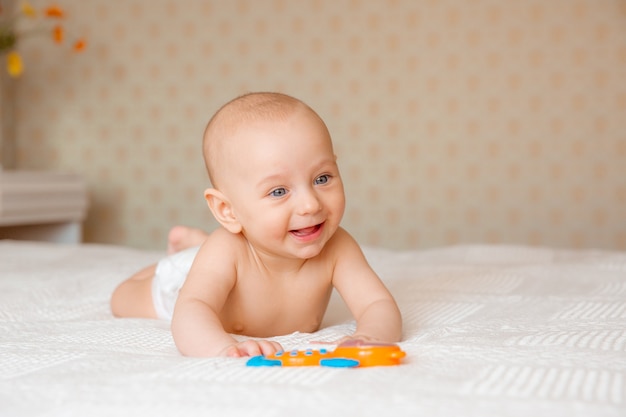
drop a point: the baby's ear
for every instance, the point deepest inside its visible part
(222, 210)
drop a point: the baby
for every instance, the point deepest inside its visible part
(270, 268)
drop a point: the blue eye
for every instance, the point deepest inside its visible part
(322, 179)
(278, 192)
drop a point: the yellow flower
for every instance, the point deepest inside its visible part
(28, 10)
(14, 64)
(38, 23)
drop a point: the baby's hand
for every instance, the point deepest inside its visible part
(357, 340)
(251, 348)
(354, 340)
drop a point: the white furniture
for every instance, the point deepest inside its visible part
(44, 206)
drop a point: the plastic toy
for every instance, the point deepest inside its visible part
(351, 354)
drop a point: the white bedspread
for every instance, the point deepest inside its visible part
(489, 331)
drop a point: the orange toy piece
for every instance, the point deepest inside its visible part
(350, 354)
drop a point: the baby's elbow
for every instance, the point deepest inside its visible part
(186, 347)
(399, 335)
(399, 327)
(182, 341)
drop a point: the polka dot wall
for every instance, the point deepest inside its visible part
(455, 121)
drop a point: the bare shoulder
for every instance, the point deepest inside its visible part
(348, 259)
(343, 246)
(218, 254)
(222, 241)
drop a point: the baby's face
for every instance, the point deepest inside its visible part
(284, 185)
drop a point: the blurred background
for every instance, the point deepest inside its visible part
(455, 121)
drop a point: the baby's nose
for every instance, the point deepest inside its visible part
(309, 202)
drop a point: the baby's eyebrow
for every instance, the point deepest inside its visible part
(270, 180)
(281, 177)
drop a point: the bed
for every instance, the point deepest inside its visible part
(488, 331)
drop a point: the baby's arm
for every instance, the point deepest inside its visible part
(198, 332)
(372, 305)
(196, 325)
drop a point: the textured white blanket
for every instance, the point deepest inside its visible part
(489, 331)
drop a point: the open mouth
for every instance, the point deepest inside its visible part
(307, 232)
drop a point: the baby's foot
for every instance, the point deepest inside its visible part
(183, 237)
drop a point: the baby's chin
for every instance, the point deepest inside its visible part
(309, 251)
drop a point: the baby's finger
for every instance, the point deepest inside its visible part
(249, 348)
(231, 351)
(269, 347)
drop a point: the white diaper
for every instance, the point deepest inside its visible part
(169, 277)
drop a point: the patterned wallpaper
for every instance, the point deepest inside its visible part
(454, 121)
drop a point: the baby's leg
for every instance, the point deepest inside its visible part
(183, 237)
(133, 297)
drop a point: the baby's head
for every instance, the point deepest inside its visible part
(245, 112)
(271, 162)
